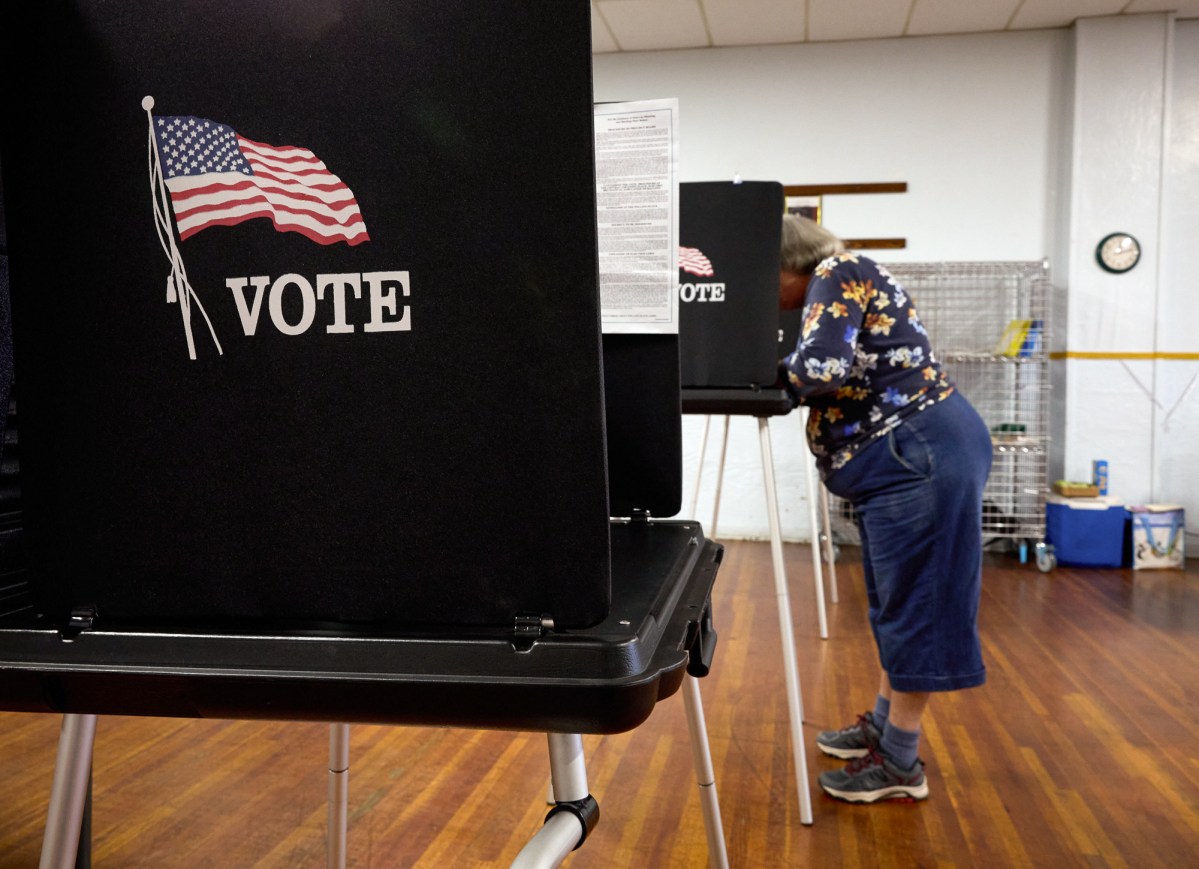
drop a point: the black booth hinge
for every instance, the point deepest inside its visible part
(529, 627)
(701, 643)
(82, 618)
(640, 517)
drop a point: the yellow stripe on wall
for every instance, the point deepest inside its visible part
(1089, 354)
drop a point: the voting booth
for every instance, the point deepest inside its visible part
(729, 334)
(729, 237)
(314, 416)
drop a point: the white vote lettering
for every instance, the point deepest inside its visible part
(383, 298)
(339, 284)
(307, 296)
(383, 292)
(249, 316)
(701, 292)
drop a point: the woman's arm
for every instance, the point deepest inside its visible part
(834, 310)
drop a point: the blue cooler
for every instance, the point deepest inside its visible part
(1087, 532)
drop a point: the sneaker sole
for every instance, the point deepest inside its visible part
(842, 753)
(892, 792)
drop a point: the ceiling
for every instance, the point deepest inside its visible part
(650, 25)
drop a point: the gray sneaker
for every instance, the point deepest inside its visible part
(856, 740)
(874, 777)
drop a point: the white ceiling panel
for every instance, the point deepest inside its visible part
(1062, 13)
(1184, 8)
(960, 16)
(856, 19)
(601, 36)
(755, 22)
(649, 25)
(643, 25)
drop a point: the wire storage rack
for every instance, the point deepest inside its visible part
(988, 324)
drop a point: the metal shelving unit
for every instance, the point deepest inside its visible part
(967, 307)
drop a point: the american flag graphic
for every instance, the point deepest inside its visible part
(692, 261)
(218, 178)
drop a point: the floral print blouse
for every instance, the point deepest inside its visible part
(863, 362)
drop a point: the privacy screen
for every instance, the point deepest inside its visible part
(305, 310)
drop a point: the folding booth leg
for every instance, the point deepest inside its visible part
(72, 772)
(83, 853)
(817, 569)
(705, 776)
(830, 556)
(339, 794)
(790, 669)
(724, 449)
(575, 811)
(699, 466)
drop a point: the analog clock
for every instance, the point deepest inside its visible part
(1118, 252)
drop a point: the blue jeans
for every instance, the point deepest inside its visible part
(918, 495)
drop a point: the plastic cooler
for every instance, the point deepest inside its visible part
(1087, 532)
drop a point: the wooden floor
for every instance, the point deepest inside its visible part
(1081, 750)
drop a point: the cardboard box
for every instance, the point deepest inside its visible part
(1086, 532)
(1158, 536)
(1075, 490)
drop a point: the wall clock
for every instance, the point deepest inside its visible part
(1118, 252)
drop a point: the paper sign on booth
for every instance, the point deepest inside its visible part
(637, 192)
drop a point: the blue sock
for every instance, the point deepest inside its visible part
(900, 746)
(882, 708)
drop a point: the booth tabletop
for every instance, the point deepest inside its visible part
(604, 679)
(736, 402)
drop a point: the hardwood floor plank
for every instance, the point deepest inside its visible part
(1139, 764)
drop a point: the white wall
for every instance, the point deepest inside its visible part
(1117, 184)
(1176, 447)
(968, 122)
(984, 131)
(1132, 353)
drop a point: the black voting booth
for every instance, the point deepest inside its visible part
(316, 421)
(728, 314)
(729, 337)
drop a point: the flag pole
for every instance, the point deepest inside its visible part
(179, 289)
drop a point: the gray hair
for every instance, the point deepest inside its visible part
(806, 243)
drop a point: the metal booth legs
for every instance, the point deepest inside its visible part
(705, 776)
(786, 631)
(564, 830)
(574, 814)
(339, 794)
(68, 794)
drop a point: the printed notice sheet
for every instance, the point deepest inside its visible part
(637, 197)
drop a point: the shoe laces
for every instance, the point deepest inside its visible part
(869, 759)
(862, 724)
